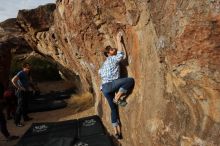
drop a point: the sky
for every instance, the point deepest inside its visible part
(9, 8)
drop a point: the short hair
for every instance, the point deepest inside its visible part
(106, 51)
(25, 64)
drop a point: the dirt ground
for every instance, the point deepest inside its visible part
(78, 106)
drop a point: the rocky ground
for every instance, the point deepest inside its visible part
(78, 106)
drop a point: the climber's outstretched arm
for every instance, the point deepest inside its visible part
(120, 44)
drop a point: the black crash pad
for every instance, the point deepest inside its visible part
(50, 134)
(56, 95)
(88, 131)
(45, 105)
(94, 140)
(90, 126)
(52, 96)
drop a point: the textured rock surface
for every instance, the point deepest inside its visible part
(5, 60)
(173, 54)
(11, 40)
(35, 20)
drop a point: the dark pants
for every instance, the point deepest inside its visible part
(3, 125)
(22, 106)
(109, 89)
(10, 106)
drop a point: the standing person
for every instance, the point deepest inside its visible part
(22, 83)
(115, 88)
(3, 124)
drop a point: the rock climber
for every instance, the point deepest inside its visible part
(114, 88)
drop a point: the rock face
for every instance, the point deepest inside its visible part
(11, 40)
(173, 53)
(35, 20)
(5, 60)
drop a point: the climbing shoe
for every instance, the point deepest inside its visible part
(118, 136)
(120, 102)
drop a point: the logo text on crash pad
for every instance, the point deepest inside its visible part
(88, 123)
(40, 128)
(81, 144)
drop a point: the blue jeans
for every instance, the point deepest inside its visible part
(109, 89)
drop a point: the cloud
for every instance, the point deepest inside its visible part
(2, 9)
(9, 8)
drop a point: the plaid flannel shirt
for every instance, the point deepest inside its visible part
(110, 69)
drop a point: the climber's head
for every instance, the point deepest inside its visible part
(109, 51)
